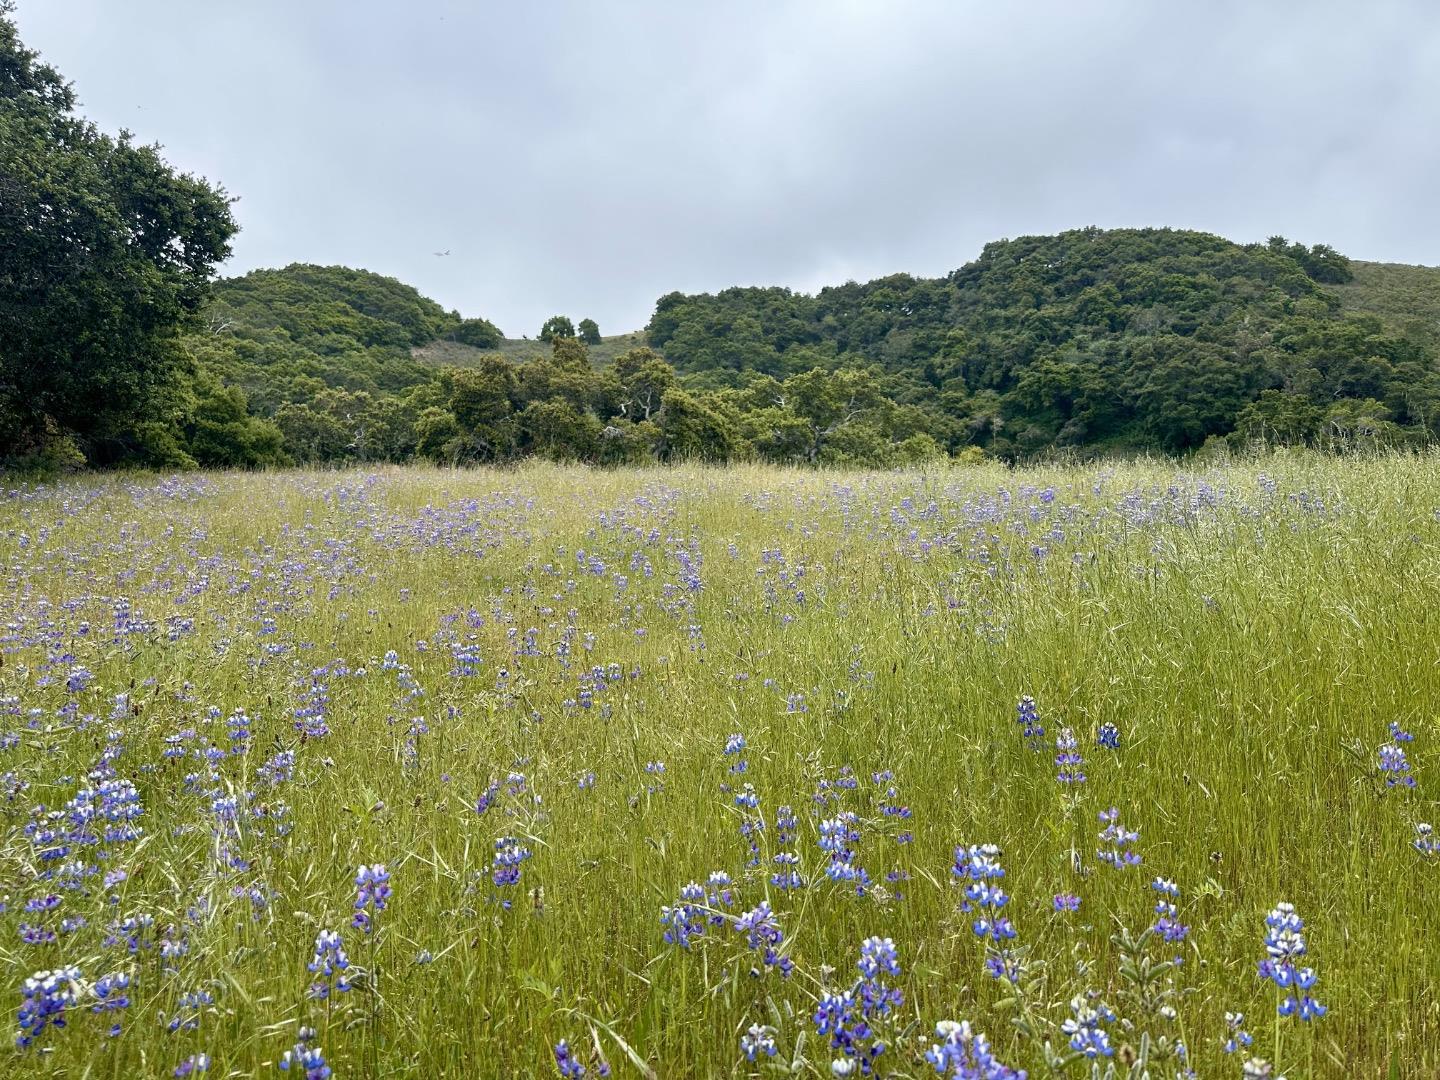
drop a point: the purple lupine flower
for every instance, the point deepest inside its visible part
(330, 963)
(44, 999)
(1168, 925)
(763, 934)
(1027, 715)
(1067, 758)
(964, 1054)
(1087, 1037)
(1284, 946)
(372, 891)
(1119, 853)
(112, 994)
(1395, 766)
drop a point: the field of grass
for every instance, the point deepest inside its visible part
(1406, 298)
(453, 354)
(548, 700)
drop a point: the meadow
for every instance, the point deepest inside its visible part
(724, 772)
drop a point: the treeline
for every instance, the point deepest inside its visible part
(1127, 339)
(117, 347)
(1091, 341)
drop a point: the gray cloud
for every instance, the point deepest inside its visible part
(588, 157)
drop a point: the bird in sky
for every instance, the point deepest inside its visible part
(442, 254)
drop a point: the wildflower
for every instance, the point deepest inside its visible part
(195, 1063)
(979, 867)
(372, 885)
(1395, 766)
(838, 837)
(112, 995)
(44, 997)
(686, 920)
(509, 854)
(308, 1059)
(763, 934)
(1284, 945)
(1237, 1037)
(1108, 736)
(330, 963)
(1118, 854)
(1028, 716)
(964, 1054)
(188, 1019)
(1087, 1037)
(566, 1062)
(758, 1040)
(1425, 840)
(1168, 925)
(1067, 902)
(1067, 758)
(487, 799)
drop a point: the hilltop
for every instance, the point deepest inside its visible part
(1406, 299)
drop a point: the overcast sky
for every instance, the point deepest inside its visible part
(588, 157)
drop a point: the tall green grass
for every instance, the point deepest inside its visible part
(1250, 628)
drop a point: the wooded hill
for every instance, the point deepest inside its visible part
(1092, 341)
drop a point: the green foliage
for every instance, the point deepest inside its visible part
(477, 333)
(557, 326)
(589, 332)
(106, 253)
(1127, 339)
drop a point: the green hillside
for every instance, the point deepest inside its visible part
(442, 353)
(1405, 298)
(1090, 342)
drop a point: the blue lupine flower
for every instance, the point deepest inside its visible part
(1284, 945)
(308, 1059)
(1067, 902)
(1119, 853)
(1237, 1037)
(1027, 715)
(44, 998)
(565, 1061)
(1067, 758)
(686, 920)
(1395, 766)
(111, 996)
(963, 1054)
(1168, 925)
(838, 837)
(1398, 733)
(978, 866)
(1087, 1037)
(763, 934)
(759, 1039)
(487, 799)
(1108, 736)
(505, 868)
(330, 963)
(1426, 842)
(195, 1063)
(372, 885)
